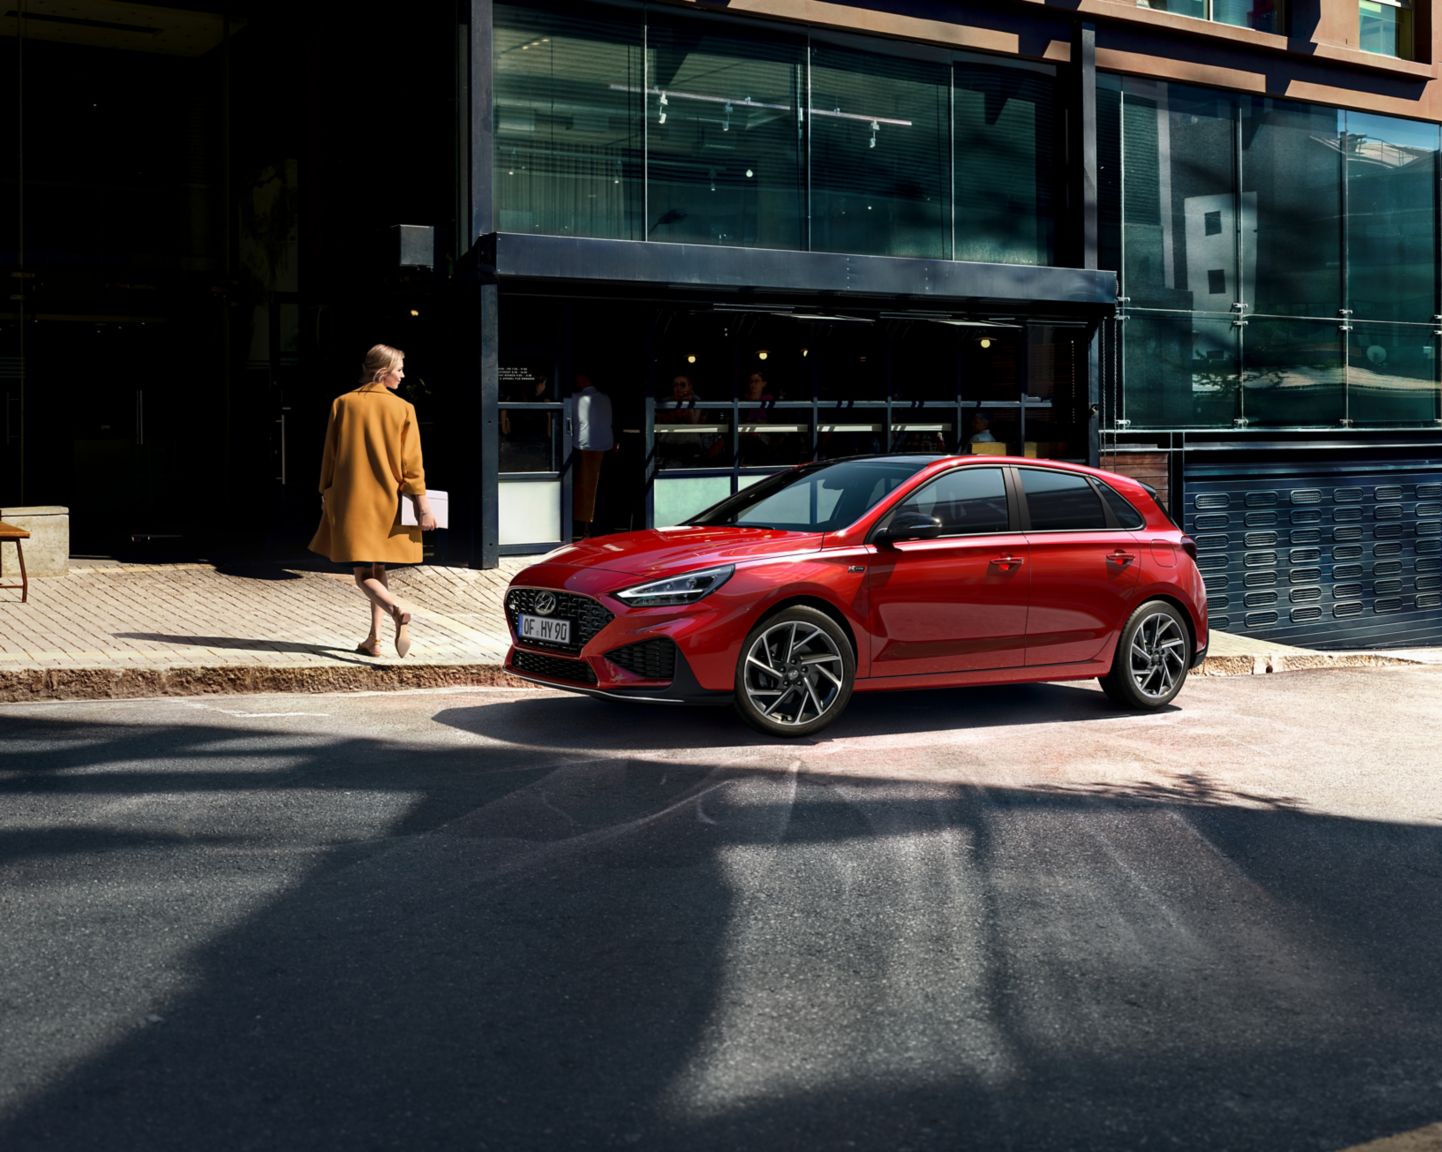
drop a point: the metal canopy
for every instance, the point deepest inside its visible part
(702, 266)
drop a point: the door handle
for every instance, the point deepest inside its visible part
(1008, 562)
(1122, 558)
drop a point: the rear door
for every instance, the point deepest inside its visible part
(1084, 568)
(957, 603)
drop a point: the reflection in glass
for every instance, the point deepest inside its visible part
(1292, 373)
(1292, 208)
(1180, 371)
(879, 154)
(1392, 374)
(991, 363)
(1180, 212)
(1391, 217)
(1006, 163)
(567, 123)
(925, 360)
(722, 137)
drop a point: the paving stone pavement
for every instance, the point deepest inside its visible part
(111, 629)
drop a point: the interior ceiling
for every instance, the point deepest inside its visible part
(108, 24)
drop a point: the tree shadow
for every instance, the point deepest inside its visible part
(230, 936)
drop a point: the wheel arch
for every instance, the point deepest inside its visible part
(1170, 598)
(821, 604)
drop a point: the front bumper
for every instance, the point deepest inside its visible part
(631, 656)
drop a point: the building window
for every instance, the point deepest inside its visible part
(1385, 27)
(1262, 15)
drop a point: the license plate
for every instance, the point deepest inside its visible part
(548, 629)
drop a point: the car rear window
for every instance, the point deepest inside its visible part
(1061, 501)
(1127, 516)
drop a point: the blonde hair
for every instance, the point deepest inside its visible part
(378, 362)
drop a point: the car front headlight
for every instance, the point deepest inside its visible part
(685, 589)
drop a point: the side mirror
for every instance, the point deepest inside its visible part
(909, 526)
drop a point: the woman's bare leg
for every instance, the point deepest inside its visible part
(372, 581)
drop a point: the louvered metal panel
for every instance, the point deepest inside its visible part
(1328, 557)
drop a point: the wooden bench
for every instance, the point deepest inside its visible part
(10, 532)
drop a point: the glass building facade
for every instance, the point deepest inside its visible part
(1280, 262)
(696, 131)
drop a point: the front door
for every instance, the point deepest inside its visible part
(957, 603)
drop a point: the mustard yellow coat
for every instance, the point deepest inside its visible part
(372, 458)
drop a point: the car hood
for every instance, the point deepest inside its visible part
(661, 551)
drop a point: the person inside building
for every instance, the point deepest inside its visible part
(594, 438)
(981, 431)
(680, 448)
(372, 461)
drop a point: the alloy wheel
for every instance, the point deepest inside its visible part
(794, 673)
(1157, 657)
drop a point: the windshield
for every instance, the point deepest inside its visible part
(815, 497)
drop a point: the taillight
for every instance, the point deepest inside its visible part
(1189, 546)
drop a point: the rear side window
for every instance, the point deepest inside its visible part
(965, 500)
(1058, 501)
(1127, 516)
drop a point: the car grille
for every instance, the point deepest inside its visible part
(653, 659)
(552, 667)
(586, 615)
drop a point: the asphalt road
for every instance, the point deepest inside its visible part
(990, 918)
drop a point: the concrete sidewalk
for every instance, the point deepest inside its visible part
(114, 630)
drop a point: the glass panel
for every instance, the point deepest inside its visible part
(1194, 8)
(1057, 501)
(844, 362)
(1291, 208)
(879, 154)
(1292, 373)
(1263, 15)
(1392, 374)
(929, 430)
(1391, 218)
(568, 123)
(1179, 226)
(1385, 28)
(723, 139)
(689, 435)
(677, 499)
(529, 512)
(966, 501)
(1006, 164)
(1180, 371)
(528, 435)
(991, 360)
(770, 436)
(925, 360)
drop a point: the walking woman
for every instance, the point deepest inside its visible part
(372, 462)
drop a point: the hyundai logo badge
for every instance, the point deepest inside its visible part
(545, 603)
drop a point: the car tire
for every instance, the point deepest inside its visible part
(1154, 654)
(795, 673)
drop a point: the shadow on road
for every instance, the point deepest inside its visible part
(227, 937)
(553, 719)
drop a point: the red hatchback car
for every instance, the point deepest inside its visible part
(870, 573)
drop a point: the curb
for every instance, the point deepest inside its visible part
(37, 684)
(1269, 662)
(40, 684)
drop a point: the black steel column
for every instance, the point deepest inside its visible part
(1083, 143)
(1084, 203)
(481, 374)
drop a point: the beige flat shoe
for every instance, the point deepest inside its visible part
(369, 647)
(403, 635)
